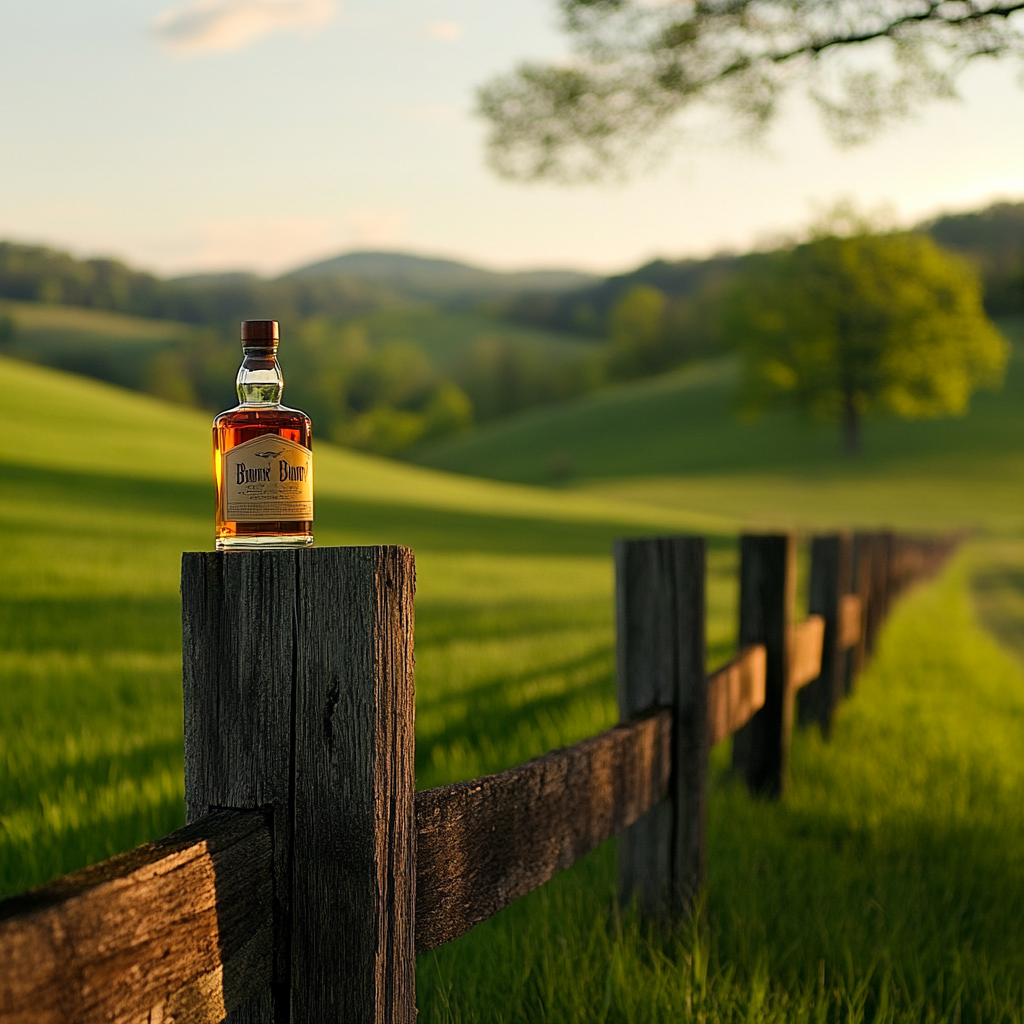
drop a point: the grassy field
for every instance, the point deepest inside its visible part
(445, 335)
(40, 323)
(59, 335)
(890, 886)
(674, 441)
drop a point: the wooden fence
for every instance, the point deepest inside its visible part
(310, 873)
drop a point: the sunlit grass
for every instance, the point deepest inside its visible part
(887, 887)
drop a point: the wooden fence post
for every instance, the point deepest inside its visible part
(659, 600)
(878, 599)
(831, 570)
(299, 703)
(862, 588)
(760, 751)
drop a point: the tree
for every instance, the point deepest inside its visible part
(638, 64)
(847, 326)
(637, 329)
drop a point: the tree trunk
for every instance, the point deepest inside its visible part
(851, 426)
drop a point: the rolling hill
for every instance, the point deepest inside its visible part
(675, 440)
(420, 277)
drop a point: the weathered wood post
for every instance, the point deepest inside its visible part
(298, 692)
(862, 550)
(831, 571)
(760, 750)
(878, 599)
(902, 558)
(659, 602)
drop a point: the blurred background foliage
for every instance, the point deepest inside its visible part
(389, 352)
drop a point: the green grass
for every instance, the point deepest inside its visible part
(888, 887)
(674, 441)
(43, 324)
(103, 490)
(444, 335)
(893, 871)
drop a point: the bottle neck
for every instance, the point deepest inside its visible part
(259, 380)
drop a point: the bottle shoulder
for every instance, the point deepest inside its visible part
(262, 415)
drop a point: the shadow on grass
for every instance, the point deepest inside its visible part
(496, 709)
(999, 598)
(931, 904)
(807, 917)
(88, 773)
(441, 622)
(95, 624)
(377, 522)
(29, 861)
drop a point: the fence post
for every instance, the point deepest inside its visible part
(862, 588)
(760, 751)
(831, 566)
(659, 603)
(299, 702)
(878, 599)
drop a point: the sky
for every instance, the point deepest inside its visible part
(211, 135)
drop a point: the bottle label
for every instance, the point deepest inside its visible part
(268, 479)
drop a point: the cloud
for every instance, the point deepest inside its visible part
(445, 31)
(209, 26)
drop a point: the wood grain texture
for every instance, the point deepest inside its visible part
(850, 621)
(179, 929)
(806, 640)
(760, 752)
(660, 610)
(353, 888)
(238, 656)
(298, 701)
(485, 843)
(735, 692)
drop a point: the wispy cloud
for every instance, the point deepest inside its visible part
(445, 31)
(209, 26)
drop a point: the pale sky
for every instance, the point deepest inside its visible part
(262, 134)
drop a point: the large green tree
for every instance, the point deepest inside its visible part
(848, 326)
(637, 64)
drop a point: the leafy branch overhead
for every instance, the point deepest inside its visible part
(638, 64)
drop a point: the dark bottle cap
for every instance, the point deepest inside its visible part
(262, 332)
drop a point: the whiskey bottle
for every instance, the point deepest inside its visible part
(262, 460)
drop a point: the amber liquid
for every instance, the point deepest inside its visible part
(236, 426)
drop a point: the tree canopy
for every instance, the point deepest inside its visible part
(637, 64)
(848, 326)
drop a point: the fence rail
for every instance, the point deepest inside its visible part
(310, 873)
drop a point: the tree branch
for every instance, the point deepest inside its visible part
(639, 64)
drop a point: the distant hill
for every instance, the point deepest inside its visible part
(35, 273)
(992, 238)
(422, 277)
(675, 439)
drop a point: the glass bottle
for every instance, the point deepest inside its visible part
(262, 458)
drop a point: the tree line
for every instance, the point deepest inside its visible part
(35, 273)
(849, 322)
